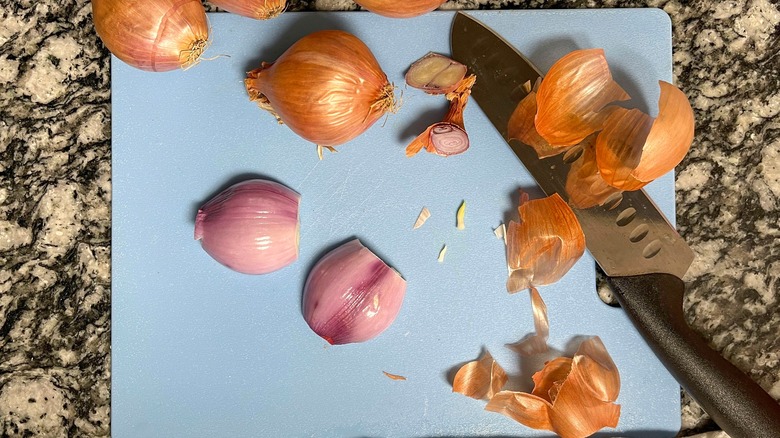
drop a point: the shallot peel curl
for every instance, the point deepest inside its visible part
(327, 87)
(351, 295)
(251, 227)
(153, 35)
(544, 245)
(571, 96)
(400, 9)
(257, 9)
(634, 148)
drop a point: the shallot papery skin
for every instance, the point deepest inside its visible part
(544, 245)
(400, 9)
(351, 295)
(251, 227)
(257, 9)
(327, 87)
(572, 397)
(153, 35)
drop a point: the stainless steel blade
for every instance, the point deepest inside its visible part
(627, 238)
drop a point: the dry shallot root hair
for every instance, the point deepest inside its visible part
(573, 397)
(437, 74)
(624, 149)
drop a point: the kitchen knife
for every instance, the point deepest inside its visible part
(641, 253)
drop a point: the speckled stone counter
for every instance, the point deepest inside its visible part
(55, 200)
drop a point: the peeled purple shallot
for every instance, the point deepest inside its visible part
(351, 295)
(251, 227)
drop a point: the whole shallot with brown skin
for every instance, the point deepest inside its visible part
(327, 87)
(351, 295)
(153, 35)
(251, 227)
(257, 9)
(400, 9)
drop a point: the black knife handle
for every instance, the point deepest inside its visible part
(738, 405)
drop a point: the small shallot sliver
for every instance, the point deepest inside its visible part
(251, 227)
(424, 215)
(351, 295)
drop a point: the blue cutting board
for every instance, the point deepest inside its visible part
(201, 351)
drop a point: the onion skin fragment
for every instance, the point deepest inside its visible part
(584, 184)
(251, 227)
(544, 245)
(327, 87)
(633, 149)
(400, 9)
(521, 127)
(153, 35)
(571, 397)
(257, 9)
(571, 96)
(481, 378)
(351, 295)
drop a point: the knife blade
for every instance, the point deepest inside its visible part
(644, 272)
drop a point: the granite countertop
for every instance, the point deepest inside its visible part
(55, 200)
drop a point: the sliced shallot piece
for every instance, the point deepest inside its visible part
(572, 95)
(461, 216)
(449, 136)
(351, 295)
(633, 148)
(571, 397)
(480, 379)
(544, 245)
(500, 232)
(424, 215)
(251, 227)
(442, 253)
(584, 184)
(435, 74)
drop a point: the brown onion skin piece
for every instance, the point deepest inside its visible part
(257, 9)
(400, 9)
(319, 69)
(153, 35)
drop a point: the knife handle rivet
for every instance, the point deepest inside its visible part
(626, 216)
